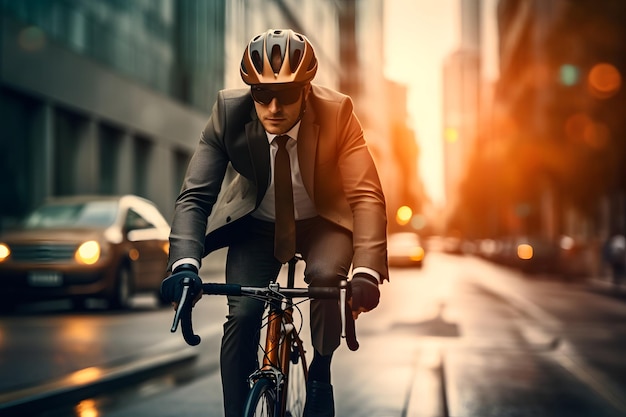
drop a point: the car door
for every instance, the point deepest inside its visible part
(146, 251)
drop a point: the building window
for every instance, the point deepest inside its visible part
(181, 160)
(109, 142)
(142, 153)
(66, 144)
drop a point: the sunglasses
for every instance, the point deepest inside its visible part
(285, 96)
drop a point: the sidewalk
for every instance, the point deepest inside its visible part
(604, 285)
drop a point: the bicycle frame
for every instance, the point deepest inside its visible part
(281, 334)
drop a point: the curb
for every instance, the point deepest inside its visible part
(88, 382)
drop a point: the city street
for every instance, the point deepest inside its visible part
(485, 138)
(460, 337)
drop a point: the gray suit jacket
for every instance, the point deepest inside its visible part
(337, 170)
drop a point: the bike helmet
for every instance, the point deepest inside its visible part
(278, 56)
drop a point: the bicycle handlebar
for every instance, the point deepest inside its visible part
(183, 312)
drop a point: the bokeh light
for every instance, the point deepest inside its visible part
(451, 134)
(418, 222)
(569, 74)
(604, 80)
(579, 127)
(87, 408)
(403, 215)
(525, 251)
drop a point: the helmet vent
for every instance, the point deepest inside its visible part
(276, 59)
(295, 59)
(257, 61)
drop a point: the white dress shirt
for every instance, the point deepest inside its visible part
(303, 206)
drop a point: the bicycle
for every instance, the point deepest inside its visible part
(278, 386)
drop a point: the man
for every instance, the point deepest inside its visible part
(615, 255)
(337, 200)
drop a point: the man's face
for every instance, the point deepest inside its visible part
(278, 106)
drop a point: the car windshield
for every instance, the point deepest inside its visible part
(403, 239)
(88, 214)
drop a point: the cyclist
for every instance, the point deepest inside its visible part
(338, 205)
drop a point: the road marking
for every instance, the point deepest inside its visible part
(426, 394)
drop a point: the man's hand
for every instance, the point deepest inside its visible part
(365, 294)
(172, 286)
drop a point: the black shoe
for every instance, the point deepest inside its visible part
(319, 400)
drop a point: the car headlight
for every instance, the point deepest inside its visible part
(524, 251)
(417, 254)
(4, 252)
(88, 253)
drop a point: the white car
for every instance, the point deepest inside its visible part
(405, 249)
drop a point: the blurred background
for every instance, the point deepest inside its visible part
(499, 133)
(490, 121)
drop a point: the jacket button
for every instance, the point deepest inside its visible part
(228, 219)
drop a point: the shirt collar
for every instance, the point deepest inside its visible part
(292, 133)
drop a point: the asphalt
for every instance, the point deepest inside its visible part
(69, 389)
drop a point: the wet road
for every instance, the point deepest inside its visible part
(461, 337)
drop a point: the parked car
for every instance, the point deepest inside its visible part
(405, 249)
(85, 246)
(530, 254)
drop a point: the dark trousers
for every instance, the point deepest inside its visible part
(327, 251)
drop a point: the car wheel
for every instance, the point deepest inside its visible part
(122, 295)
(7, 306)
(79, 304)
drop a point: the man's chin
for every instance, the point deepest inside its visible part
(275, 129)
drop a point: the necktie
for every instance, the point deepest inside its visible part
(285, 224)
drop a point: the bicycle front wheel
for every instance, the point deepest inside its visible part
(262, 399)
(296, 380)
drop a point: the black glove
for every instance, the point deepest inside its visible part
(172, 286)
(365, 292)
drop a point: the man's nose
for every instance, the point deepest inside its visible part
(274, 105)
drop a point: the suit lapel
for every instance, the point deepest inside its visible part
(307, 150)
(260, 155)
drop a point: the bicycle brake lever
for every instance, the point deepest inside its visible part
(183, 315)
(181, 304)
(342, 302)
(348, 326)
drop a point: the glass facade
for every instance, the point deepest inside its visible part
(176, 48)
(103, 96)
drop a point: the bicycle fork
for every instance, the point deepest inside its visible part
(280, 341)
